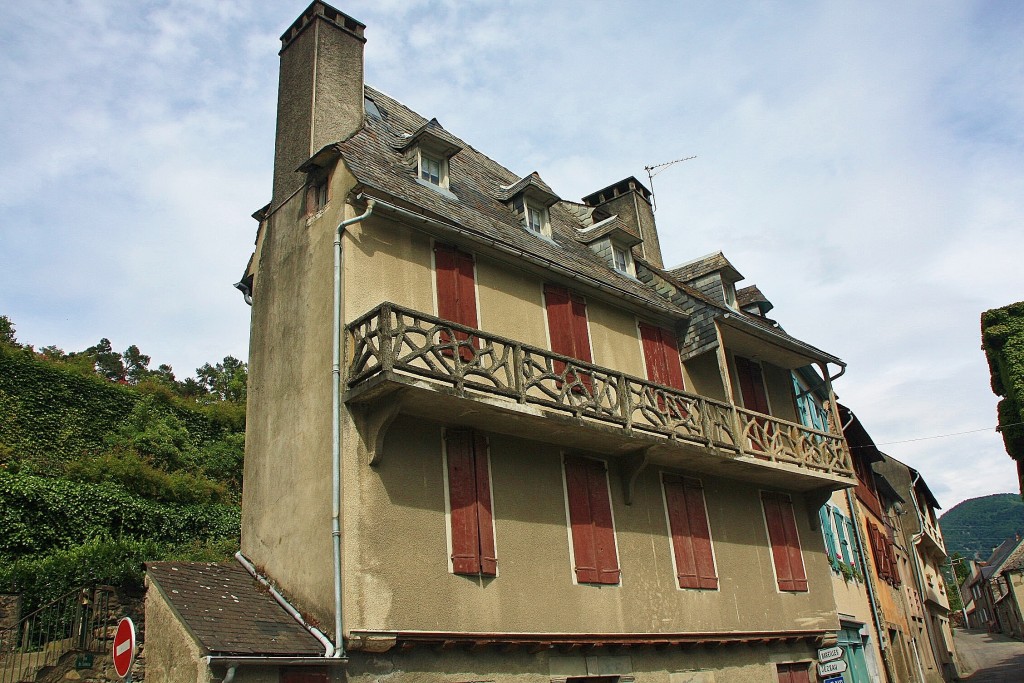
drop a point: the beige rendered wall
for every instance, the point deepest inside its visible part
(397, 553)
(703, 376)
(172, 656)
(739, 664)
(286, 495)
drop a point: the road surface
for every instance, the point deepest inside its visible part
(989, 657)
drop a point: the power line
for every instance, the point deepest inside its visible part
(943, 436)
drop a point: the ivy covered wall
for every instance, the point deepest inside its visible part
(1002, 334)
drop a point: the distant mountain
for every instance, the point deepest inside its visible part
(978, 525)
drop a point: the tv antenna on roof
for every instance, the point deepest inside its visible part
(655, 170)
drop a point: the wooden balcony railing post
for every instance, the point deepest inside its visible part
(519, 372)
(625, 400)
(387, 342)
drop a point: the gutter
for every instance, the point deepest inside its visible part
(339, 650)
(294, 613)
(547, 264)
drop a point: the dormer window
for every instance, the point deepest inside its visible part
(537, 219)
(428, 151)
(729, 290)
(622, 260)
(433, 169)
(530, 199)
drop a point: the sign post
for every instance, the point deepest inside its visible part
(124, 648)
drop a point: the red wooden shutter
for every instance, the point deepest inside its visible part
(456, 294)
(485, 524)
(469, 497)
(785, 542)
(691, 536)
(661, 356)
(567, 327)
(793, 673)
(590, 517)
(751, 385)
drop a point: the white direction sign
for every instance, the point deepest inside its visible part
(827, 654)
(828, 668)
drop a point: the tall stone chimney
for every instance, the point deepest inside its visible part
(320, 90)
(631, 202)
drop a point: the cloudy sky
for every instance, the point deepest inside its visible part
(862, 162)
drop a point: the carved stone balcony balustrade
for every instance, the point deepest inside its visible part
(392, 348)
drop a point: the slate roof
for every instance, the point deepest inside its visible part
(751, 295)
(704, 265)
(228, 613)
(372, 155)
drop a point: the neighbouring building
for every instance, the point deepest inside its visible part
(491, 437)
(996, 587)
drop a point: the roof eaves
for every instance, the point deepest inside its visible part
(778, 337)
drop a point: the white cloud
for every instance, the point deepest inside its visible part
(862, 163)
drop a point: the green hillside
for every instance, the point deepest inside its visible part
(980, 524)
(106, 464)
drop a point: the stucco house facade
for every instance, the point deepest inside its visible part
(492, 437)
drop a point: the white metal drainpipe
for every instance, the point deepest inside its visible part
(339, 640)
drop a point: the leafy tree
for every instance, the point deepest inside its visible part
(108, 363)
(7, 331)
(136, 364)
(225, 381)
(160, 438)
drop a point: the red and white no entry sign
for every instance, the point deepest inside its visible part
(124, 647)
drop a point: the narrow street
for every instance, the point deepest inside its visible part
(989, 657)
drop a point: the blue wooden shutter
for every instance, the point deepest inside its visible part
(844, 544)
(826, 531)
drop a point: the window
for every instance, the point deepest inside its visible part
(590, 521)
(691, 537)
(622, 260)
(316, 195)
(661, 356)
(885, 559)
(811, 413)
(537, 218)
(567, 328)
(432, 169)
(785, 541)
(840, 543)
(456, 297)
(469, 503)
(755, 398)
(793, 673)
(729, 293)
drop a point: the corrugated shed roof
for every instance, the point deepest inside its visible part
(228, 613)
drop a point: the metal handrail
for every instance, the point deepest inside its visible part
(79, 621)
(395, 339)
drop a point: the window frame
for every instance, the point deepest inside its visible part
(424, 155)
(530, 208)
(628, 265)
(480, 452)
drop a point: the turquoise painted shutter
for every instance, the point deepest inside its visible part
(844, 544)
(826, 531)
(853, 543)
